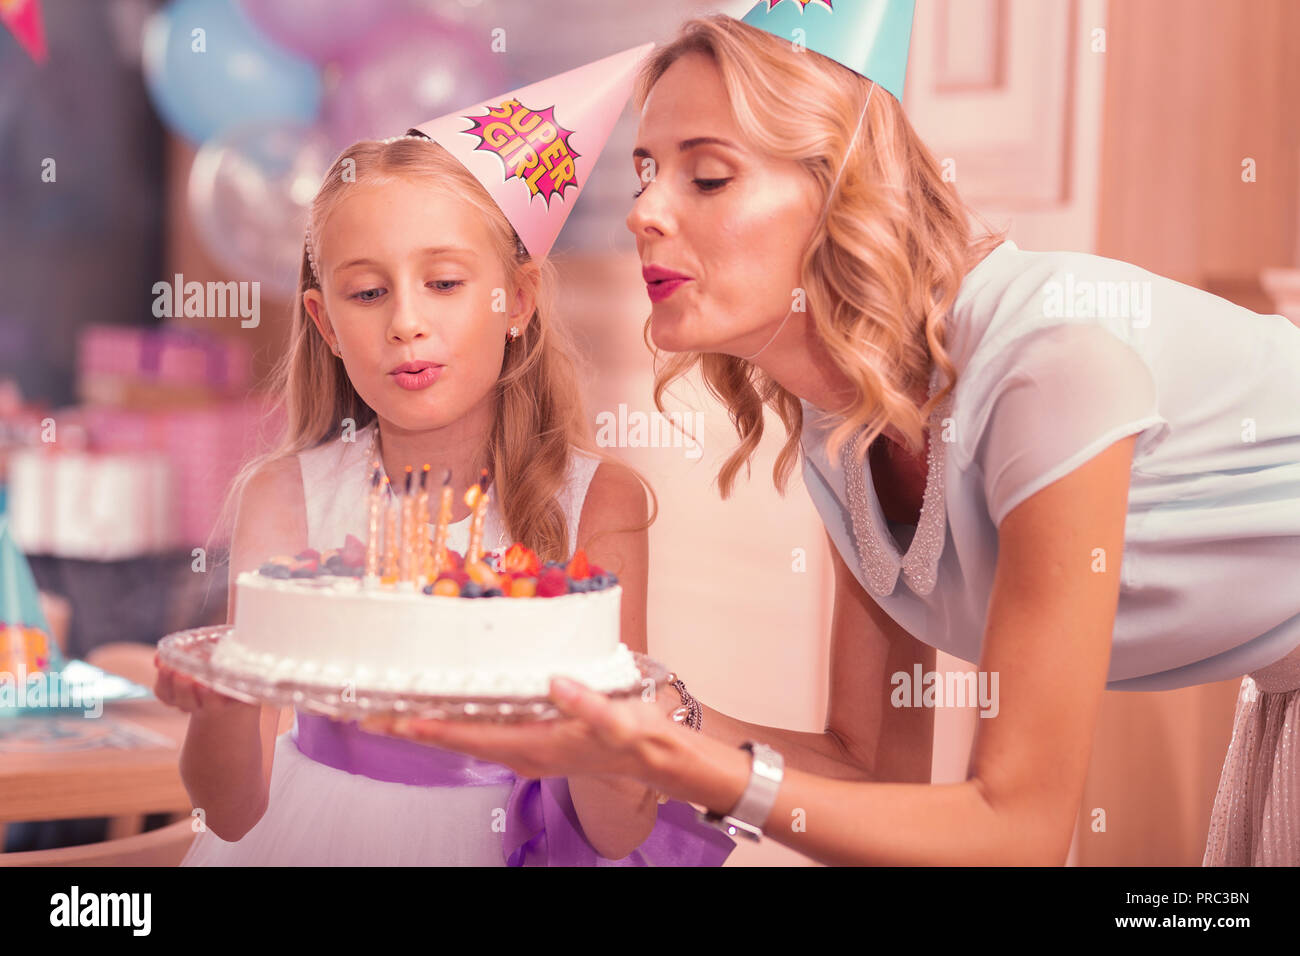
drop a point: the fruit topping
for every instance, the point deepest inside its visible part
(552, 583)
(353, 552)
(444, 587)
(521, 560)
(304, 567)
(522, 587)
(481, 574)
(578, 567)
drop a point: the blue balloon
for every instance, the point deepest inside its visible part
(209, 69)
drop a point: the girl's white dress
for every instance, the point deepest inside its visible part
(322, 815)
(1058, 356)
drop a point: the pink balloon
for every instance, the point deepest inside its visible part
(407, 72)
(320, 30)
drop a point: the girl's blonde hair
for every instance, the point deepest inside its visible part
(881, 271)
(540, 414)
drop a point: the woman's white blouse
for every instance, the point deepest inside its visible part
(1060, 355)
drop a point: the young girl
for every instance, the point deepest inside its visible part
(423, 323)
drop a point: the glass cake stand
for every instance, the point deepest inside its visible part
(190, 653)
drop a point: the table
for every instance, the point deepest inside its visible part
(100, 782)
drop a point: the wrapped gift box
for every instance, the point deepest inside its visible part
(90, 505)
(205, 448)
(159, 367)
(121, 482)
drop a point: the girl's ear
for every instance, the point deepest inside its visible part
(314, 304)
(527, 284)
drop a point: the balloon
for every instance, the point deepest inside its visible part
(318, 29)
(407, 72)
(249, 193)
(208, 69)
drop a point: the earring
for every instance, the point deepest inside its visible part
(513, 334)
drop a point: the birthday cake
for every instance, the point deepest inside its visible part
(405, 614)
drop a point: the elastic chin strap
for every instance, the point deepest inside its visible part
(825, 210)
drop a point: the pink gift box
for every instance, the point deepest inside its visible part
(97, 506)
(205, 448)
(113, 357)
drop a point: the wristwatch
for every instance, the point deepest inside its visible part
(755, 804)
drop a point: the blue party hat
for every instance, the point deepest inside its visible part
(20, 611)
(870, 37)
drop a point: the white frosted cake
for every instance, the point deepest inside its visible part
(316, 621)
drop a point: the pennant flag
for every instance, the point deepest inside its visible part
(23, 18)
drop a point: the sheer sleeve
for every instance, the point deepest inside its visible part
(1072, 390)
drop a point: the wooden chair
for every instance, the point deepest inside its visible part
(165, 846)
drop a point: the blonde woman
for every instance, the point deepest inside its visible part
(1074, 498)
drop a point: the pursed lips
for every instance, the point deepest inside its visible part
(416, 375)
(661, 282)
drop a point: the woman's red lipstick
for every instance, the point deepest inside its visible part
(660, 283)
(414, 376)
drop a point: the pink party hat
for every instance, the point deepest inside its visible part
(533, 149)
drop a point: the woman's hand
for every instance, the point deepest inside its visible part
(184, 693)
(596, 736)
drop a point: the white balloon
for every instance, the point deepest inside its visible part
(249, 193)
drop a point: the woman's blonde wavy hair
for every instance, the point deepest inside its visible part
(881, 271)
(539, 414)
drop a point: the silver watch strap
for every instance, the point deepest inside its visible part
(767, 768)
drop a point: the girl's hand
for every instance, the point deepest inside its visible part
(184, 693)
(595, 737)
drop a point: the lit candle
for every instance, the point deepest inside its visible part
(390, 537)
(406, 559)
(439, 556)
(372, 536)
(422, 554)
(476, 498)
